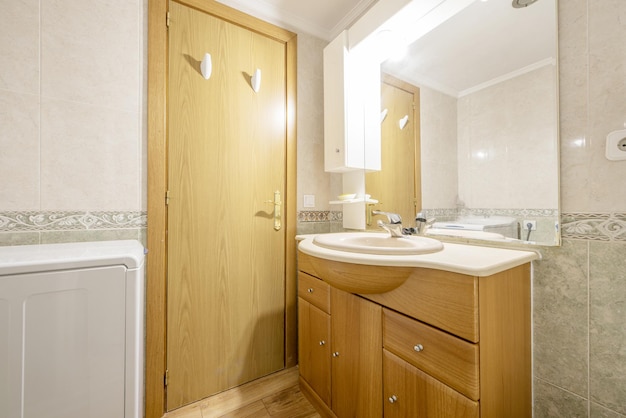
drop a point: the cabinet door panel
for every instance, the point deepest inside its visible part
(356, 326)
(314, 348)
(410, 392)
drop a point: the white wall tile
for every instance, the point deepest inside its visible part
(88, 157)
(19, 158)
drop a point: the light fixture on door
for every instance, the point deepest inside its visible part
(206, 67)
(402, 123)
(255, 80)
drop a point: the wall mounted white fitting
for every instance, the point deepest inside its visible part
(402, 123)
(206, 67)
(383, 115)
(255, 80)
(616, 145)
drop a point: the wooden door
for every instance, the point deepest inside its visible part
(226, 254)
(398, 186)
(356, 336)
(409, 392)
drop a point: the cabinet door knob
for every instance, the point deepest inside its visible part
(310, 290)
(418, 347)
(393, 399)
(322, 342)
(336, 354)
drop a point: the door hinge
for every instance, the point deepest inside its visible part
(167, 19)
(167, 197)
(166, 377)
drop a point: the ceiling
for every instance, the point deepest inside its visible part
(324, 19)
(487, 41)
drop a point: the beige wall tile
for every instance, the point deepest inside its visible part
(311, 176)
(598, 411)
(607, 107)
(89, 158)
(607, 336)
(54, 237)
(438, 116)
(554, 402)
(573, 84)
(506, 143)
(560, 316)
(19, 158)
(19, 46)
(91, 52)
(19, 238)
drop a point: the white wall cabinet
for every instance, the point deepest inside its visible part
(351, 108)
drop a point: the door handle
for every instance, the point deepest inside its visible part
(277, 215)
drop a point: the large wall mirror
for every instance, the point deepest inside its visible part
(485, 123)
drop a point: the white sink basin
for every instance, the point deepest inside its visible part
(381, 244)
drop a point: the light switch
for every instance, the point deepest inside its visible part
(309, 201)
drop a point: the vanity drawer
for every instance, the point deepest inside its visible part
(314, 291)
(447, 358)
(445, 300)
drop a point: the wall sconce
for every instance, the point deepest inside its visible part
(383, 115)
(255, 80)
(402, 123)
(206, 67)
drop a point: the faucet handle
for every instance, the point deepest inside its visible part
(395, 230)
(393, 218)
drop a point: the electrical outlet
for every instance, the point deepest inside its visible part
(533, 225)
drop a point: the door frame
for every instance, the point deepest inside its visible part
(156, 263)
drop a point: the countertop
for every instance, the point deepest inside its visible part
(458, 258)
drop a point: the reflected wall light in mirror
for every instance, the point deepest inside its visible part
(489, 114)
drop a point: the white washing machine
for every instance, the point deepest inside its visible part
(72, 330)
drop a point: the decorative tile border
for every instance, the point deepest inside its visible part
(588, 226)
(314, 216)
(70, 220)
(514, 213)
(320, 216)
(594, 226)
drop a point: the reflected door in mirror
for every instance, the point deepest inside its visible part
(397, 185)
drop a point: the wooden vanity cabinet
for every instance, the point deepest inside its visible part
(340, 352)
(451, 345)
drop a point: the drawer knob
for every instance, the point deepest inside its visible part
(418, 347)
(310, 290)
(336, 354)
(322, 342)
(393, 399)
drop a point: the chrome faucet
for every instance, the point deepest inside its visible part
(394, 227)
(422, 224)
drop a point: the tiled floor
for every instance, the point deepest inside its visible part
(277, 395)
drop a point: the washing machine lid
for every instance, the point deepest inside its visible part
(53, 257)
